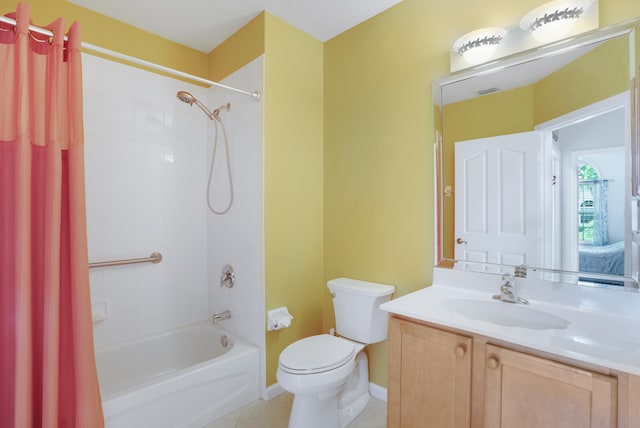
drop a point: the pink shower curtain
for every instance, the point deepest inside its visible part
(47, 365)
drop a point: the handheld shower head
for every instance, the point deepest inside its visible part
(186, 97)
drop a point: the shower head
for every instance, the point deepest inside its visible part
(186, 97)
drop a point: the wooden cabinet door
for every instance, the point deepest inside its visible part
(429, 377)
(525, 391)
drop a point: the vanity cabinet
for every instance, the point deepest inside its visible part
(522, 390)
(442, 378)
(429, 377)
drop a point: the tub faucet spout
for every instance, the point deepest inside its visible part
(216, 318)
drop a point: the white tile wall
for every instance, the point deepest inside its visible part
(237, 238)
(147, 163)
(146, 179)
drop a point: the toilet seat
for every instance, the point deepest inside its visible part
(316, 354)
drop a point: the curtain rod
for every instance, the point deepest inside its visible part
(255, 95)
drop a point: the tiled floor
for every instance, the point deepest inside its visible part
(275, 414)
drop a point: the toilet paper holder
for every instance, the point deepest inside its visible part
(278, 318)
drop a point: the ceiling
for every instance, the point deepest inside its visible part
(204, 24)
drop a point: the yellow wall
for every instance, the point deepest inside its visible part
(637, 51)
(597, 75)
(379, 142)
(293, 182)
(115, 35)
(241, 48)
(379, 137)
(366, 95)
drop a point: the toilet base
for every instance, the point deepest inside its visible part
(349, 413)
(313, 411)
(335, 408)
(355, 396)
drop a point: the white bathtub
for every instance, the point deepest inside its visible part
(178, 378)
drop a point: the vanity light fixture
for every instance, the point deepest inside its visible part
(549, 23)
(553, 20)
(479, 45)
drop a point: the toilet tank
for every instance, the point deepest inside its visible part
(357, 308)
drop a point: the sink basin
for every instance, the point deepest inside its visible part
(505, 314)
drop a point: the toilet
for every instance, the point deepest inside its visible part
(329, 375)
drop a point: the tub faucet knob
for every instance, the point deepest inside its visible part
(228, 277)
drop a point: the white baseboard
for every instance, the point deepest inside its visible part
(378, 392)
(272, 391)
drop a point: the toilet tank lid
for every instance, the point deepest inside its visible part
(355, 286)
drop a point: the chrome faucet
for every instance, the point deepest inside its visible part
(508, 291)
(216, 318)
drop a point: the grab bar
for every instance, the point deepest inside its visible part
(153, 258)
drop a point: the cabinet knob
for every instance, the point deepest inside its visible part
(493, 363)
(460, 351)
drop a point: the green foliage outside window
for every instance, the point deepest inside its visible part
(586, 174)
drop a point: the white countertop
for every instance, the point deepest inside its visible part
(598, 326)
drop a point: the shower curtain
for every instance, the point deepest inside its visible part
(47, 365)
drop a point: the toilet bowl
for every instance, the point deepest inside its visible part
(316, 371)
(328, 375)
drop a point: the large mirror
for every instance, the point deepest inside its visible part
(534, 162)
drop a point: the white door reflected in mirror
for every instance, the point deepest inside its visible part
(497, 199)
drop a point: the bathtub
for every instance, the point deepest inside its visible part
(180, 378)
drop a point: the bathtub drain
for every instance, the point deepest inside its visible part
(224, 340)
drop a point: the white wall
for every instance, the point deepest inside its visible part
(603, 137)
(147, 162)
(145, 179)
(601, 132)
(237, 237)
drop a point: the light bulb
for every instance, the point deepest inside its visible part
(554, 20)
(478, 46)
